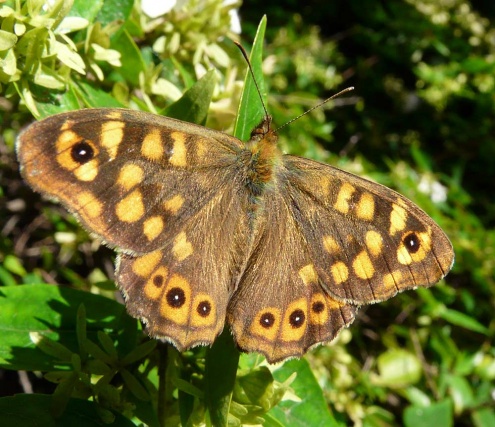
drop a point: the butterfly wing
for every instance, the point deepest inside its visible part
(152, 187)
(281, 307)
(368, 241)
(327, 242)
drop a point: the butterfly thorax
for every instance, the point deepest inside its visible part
(261, 157)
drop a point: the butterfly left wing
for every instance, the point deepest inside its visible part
(155, 188)
(327, 242)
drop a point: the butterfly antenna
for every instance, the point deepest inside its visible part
(348, 89)
(246, 57)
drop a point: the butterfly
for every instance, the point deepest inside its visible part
(211, 230)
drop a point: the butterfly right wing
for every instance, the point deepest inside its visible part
(325, 243)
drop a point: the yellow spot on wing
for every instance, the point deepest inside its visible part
(308, 274)
(365, 208)
(112, 133)
(152, 145)
(130, 175)
(198, 320)
(340, 272)
(345, 193)
(114, 114)
(179, 315)
(289, 332)
(87, 172)
(407, 258)
(90, 206)
(83, 172)
(267, 333)
(200, 148)
(392, 280)
(363, 267)
(179, 154)
(374, 242)
(152, 227)
(330, 245)
(174, 204)
(182, 248)
(66, 140)
(398, 218)
(319, 317)
(67, 125)
(325, 185)
(156, 283)
(131, 207)
(144, 265)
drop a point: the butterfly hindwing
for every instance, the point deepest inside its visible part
(181, 291)
(289, 309)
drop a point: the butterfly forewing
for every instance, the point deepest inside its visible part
(131, 178)
(366, 241)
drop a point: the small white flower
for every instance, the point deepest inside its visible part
(156, 8)
(436, 191)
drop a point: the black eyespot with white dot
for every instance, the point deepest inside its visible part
(82, 152)
(204, 308)
(297, 318)
(176, 297)
(267, 320)
(412, 243)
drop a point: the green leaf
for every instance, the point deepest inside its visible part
(51, 311)
(220, 372)
(251, 110)
(193, 106)
(134, 385)
(484, 417)
(435, 415)
(95, 97)
(308, 407)
(131, 58)
(13, 264)
(86, 9)
(461, 319)
(115, 11)
(461, 392)
(7, 40)
(53, 103)
(139, 352)
(27, 410)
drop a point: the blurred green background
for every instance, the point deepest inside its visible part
(420, 120)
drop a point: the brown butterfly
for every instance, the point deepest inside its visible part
(213, 230)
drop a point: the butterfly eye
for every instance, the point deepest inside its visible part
(297, 318)
(204, 308)
(82, 152)
(176, 297)
(412, 243)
